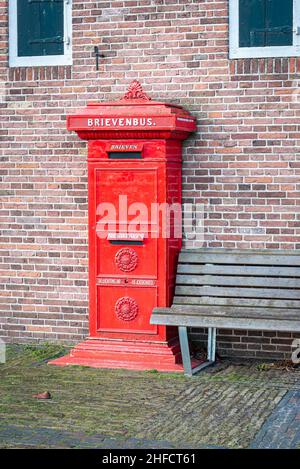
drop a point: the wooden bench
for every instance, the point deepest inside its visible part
(232, 289)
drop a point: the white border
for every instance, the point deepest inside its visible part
(236, 52)
(39, 60)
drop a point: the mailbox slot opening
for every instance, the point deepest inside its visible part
(128, 242)
(125, 155)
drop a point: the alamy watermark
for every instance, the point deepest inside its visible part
(155, 220)
(296, 352)
(296, 92)
(2, 351)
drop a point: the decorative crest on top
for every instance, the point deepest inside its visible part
(135, 91)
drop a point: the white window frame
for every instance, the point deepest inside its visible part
(236, 52)
(39, 60)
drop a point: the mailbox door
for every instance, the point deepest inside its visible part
(126, 247)
(124, 195)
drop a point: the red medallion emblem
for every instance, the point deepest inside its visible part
(126, 259)
(126, 308)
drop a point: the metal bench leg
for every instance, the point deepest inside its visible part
(211, 344)
(185, 351)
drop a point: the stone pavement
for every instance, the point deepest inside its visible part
(14, 436)
(282, 427)
(232, 405)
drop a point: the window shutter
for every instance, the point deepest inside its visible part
(265, 23)
(279, 22)
(40, 27)
(252, 18)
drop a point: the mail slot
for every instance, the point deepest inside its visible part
(119, 155)
(134, 169)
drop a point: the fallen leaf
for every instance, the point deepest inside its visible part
(42, 395)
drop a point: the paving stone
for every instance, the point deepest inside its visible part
(282, 428)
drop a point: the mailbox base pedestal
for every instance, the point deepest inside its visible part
(101, 353)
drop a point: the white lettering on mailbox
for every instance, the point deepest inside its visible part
(120, 122)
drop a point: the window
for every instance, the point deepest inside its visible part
(40, 32)
(264, 28)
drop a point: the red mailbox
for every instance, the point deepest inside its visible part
(134, 174)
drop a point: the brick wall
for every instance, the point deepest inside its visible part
(243, 163)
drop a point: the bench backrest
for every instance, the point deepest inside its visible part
(217, 276)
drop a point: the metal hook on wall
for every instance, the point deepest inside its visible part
(97, 55)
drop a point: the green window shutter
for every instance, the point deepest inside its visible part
(40, 27)
(251, 19)
(279, 22)
(265, 23)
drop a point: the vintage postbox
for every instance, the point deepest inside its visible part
(134, 175)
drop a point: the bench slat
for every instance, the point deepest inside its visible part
(216, 269)
(210, 300)
(234, 258)
(235, 311)
(188, 290)
(262, 252)
(224, 323)
(218, 280)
